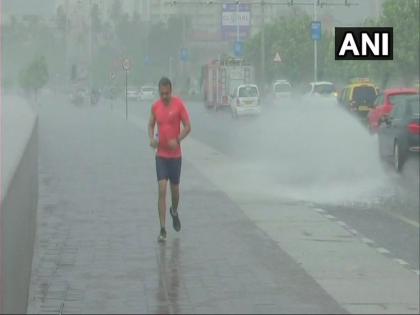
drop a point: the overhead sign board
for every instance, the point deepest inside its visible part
(232, 15)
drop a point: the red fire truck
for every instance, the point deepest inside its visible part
(221, 77)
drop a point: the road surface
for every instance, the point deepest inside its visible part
(288, 212)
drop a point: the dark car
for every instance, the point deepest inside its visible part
(359, 96)
(399, 133)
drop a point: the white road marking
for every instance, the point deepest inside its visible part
(353, 231)
(329, 216)
(367, 240)
(403, 218)
(400, 261)
(383, 250)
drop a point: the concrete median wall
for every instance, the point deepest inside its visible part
(19, 198)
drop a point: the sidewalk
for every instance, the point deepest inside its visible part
(96, 249)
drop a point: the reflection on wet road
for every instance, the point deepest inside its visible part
(169, 273)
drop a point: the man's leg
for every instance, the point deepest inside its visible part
(162, 202)
(174, 178)
(175, 174)
(175, 197)
(174, 208)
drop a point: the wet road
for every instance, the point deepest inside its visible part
(322, 156)
(96, 249)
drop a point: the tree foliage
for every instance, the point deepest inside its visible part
(403, 16)
(290, 36)
(35, 76)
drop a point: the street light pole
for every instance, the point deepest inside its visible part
(315, 48)
(170, 68)
(184, 39)
(237, 21)
(262, 44)
(90, 42)
(126, 97)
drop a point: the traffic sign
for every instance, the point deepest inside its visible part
(316, 30)
(184, 54)
(238, 48)
(277, 58)
(147, 60)
(126, 64)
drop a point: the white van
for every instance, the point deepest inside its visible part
(282, 89)
(245, 100)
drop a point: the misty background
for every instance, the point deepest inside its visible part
(89, 39)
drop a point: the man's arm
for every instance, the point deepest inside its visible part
(151, 129)
(186, 124)
(151, 125)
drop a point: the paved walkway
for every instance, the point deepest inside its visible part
(96, 248)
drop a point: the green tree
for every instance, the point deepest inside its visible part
(290, 37)
(34, 76)
(403, 16)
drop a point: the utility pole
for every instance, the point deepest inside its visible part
(90, 42)
(66, 39)
(262, 48)
(237, 21)
(315, 47)
(170, 68)
(183, 85)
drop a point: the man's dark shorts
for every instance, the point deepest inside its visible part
(168, 168)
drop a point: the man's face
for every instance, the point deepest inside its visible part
(165, 93)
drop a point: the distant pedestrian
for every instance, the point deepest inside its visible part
(168, 113)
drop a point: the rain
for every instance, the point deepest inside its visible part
(293, 175)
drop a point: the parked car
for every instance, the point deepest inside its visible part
(79, 96)
(384, 103)
(95, 95)
(281, 89)
(399, 132)
(322, 88)
(132, 93)
(147, 93)
(110, 92)
(358, 96)
(245, 100)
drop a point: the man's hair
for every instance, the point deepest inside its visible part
(165, 82)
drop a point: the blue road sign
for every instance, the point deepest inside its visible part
(316, 30)
(238, 48)
(230, 14)
(184, 54)
(147, 60)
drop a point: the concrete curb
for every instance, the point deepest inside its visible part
(19, 200)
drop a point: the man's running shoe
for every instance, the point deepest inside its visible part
(162, 235)
(175, 219)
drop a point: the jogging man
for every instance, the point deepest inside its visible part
(168, 113)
